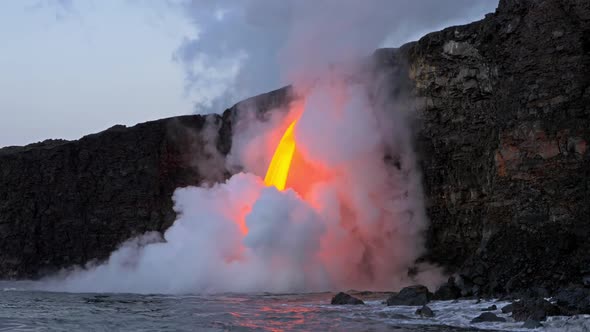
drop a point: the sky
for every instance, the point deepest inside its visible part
(69, 68)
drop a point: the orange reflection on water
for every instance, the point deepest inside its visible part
(277, 318)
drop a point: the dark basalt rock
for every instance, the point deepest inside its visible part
(532, 293)
(343, 298)
(505, 145)
(447, 291)
(425, 311)
(535, 309)
(413, 295)
(531, 324)
(487, 317)
(508, 308)
(573, 301)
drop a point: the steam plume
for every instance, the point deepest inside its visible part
(244, 48)
(354, 216)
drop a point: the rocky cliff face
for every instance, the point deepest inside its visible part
(505, 104)
(504, 109)
(65, 203)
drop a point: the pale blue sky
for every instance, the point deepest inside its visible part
(67, 72)
(74, 67)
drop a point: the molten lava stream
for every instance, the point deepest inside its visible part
(278, 170)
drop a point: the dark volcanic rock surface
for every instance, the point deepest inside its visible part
(425, 311)
(535, 309)
(447, 291)
(343, 298)
(531, 324)
(413, 295)
(490, 308)
(508, 308)
(505, 109)
(487, 317)
(574, 301)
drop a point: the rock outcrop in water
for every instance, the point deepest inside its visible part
(412, 295)
(535, 309)
(487, 317)
(344, 299)
(504, 109)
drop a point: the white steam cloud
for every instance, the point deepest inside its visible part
(244, 48)
(360, 226)
(353, 216)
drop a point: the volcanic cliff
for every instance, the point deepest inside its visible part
(504, 110)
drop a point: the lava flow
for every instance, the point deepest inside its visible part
(278, 170)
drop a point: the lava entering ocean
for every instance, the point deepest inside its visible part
(278, 170)
(332, 213)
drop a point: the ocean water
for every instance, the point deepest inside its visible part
(23, 309)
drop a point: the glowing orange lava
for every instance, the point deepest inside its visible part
(278, 170)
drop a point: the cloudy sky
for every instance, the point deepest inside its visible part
(74, 67)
